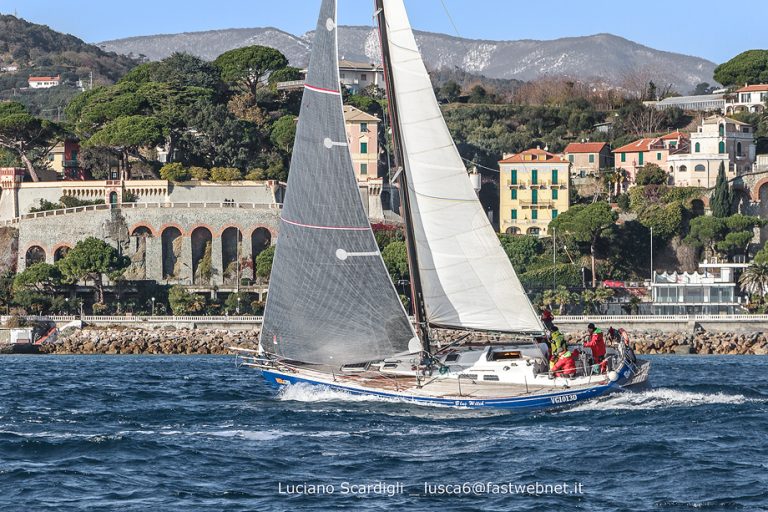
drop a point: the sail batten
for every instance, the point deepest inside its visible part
(466, 278)
(330, 298)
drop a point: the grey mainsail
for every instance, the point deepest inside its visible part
(330, 299)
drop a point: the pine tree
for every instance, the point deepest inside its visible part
(721, 199)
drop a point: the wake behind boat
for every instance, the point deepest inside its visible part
(333, 317)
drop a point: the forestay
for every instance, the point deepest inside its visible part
(330, 299)
(466, 277)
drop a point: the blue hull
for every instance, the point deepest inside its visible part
(280, 379)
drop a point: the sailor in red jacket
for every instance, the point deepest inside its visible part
(596, 343)
(565, 365)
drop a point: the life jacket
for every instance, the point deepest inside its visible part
(558, 340)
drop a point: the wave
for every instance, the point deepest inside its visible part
(310, 393)
(662, 398)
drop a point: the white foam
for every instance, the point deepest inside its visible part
(310, 393)
(661, 398)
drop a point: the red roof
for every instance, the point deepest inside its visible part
(638, 145)
(675, 135)
(753, 88)
(534, 155)
(585, 147)
(44, 78)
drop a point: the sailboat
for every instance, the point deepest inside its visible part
(333, 317)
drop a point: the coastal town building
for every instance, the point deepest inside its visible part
(649, 150)
(588, 158)
(750, 98)
(44, 82)
(63, 159)
(717, 140)
(356, 76)
(363, 139)
(701, 103)
(534, 190)
(713, 289)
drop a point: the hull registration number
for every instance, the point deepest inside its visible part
(562, 399)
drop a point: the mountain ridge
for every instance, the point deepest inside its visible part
(601, 57)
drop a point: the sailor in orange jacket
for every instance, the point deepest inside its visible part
(596, 343)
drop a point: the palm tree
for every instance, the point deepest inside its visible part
(754, 280)
(560, 296)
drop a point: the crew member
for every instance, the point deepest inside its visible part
(565, 365)
(546, 319)
(557, 340)
(596, 343)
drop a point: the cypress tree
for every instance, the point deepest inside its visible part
(720, 201)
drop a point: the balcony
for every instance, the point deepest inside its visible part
(539, 205)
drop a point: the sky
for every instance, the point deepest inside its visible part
(692, 27)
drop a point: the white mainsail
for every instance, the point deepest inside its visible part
(466, 277)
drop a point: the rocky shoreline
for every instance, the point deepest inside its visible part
(171, 341)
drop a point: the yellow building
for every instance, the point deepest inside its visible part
(534, 189)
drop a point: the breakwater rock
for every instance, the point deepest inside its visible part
(117, 340)
(169, 340)
(656, 342)
(647, 342)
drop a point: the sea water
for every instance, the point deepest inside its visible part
(189, 433)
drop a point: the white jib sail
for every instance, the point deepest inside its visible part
(466, 277)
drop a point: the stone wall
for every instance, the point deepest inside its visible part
(138, 233)
(9, 249)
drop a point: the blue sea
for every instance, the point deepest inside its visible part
(130, 433)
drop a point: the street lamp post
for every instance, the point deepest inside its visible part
(153, 306)
(238, 306)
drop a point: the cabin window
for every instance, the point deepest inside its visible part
(451, 358)
(500, 355)
(491, 377)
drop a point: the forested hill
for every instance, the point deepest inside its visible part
(39, 50)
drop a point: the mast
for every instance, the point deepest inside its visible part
(419, 309)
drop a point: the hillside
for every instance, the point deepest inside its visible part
(597, 58)
(38, 50)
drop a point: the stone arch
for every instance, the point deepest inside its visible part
(171, 241)
(113, 199)
(683, 168)
(697, 207)
(34, 254)
(700, 168)
(513, 230)
(138, 244)
(202, 247)
(60, 252)
(534, 231)
(261, 238)
(231, 251)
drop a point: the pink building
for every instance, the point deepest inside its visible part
(363, 139)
